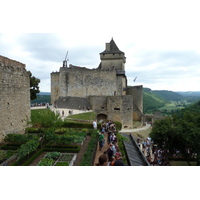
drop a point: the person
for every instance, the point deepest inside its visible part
(95, 124)
(119, 163)
(109, 152)
(111, 163)
(103, 160)
(101, 140)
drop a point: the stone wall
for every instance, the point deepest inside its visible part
(14, 97)
(83, 82)
(137, 93)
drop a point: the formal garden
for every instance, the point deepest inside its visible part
(50, 141)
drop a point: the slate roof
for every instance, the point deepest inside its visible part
(113, 48)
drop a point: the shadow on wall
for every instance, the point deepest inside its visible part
(102, 117)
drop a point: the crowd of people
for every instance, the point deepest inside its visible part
(155, 156)
(107, 137)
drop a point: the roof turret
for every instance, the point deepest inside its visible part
(111, 48)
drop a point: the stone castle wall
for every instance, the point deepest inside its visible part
(14, 97)
(83, 82)
(137, 93)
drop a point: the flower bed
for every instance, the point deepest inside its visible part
(63, 159)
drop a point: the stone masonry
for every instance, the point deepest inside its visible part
(103, 89)
(14, 97)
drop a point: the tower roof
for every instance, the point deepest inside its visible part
(111, 48)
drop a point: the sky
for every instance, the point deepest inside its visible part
(160, 39)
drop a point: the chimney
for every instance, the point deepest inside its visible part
(107, 46)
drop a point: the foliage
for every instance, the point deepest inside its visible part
(67, 138)
(181, 131)
(34, 130)
(19, 138)
(27, 148)
(46, 162)
(53, 155)
(4, 155)
(62, 164)
(34, 86)
(45, 118)
(88, 155)
(73, 124)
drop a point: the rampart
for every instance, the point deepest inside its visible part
(14, 97)
(83, 82)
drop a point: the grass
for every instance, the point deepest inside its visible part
(83, 116)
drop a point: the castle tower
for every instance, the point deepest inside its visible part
(112, 57)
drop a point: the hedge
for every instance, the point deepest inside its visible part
(27, 162)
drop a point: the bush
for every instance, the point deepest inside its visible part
(118, 125)
(15, 138)
(45, 118)
(62, 164)
(53, 155)
(89, 154)
(68, 124)
(27, 148)
(34, 130)
(46, 162)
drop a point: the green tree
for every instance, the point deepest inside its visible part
(181, 131)
(34, 86)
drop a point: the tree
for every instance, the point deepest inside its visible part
(181, 131)
(34, 86)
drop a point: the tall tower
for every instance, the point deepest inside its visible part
(112, 57)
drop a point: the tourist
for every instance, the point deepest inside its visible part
(103, 160)
(101, 140)
(94, 124)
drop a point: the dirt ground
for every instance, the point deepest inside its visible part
(82, 151)
(98, 153)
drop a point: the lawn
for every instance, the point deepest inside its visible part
(83, 116)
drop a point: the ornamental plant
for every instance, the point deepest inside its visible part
(27, 148)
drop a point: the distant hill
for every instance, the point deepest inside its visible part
(168, 95)
(190, 93)
(155, 99)
(42, 97)
(165, 95)
(44, 93)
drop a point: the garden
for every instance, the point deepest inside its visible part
(49, 135)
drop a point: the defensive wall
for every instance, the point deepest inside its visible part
(14, 97)
(83, 82)
(137, 93)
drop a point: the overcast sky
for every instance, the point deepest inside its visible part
(160, 39)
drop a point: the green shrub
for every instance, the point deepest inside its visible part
(15, 138)
(53, 155)
(68, 124)
(62, 164)
(27, 148)
(89, 154)
(45, 118)
(46, 162)
(34, 130)
(118, 125)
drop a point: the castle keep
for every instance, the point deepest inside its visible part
(103, 89)
(14, 97)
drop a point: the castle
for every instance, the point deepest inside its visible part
(15, 97)
(103, 89)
